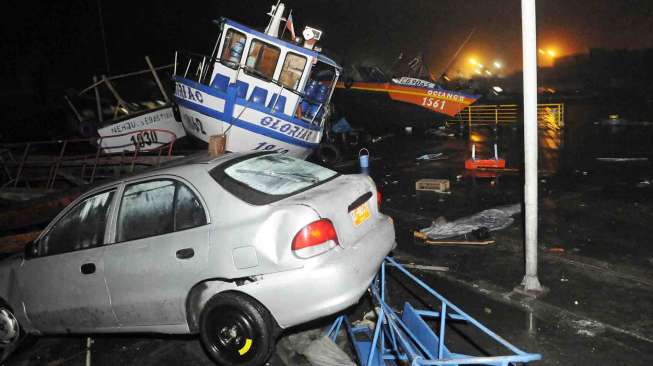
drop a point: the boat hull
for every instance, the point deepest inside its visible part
(388, 107)
(145, 131)
(207, 111)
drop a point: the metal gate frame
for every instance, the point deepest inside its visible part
(406, 337)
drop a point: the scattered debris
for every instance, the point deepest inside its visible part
(382, 138)
(317, 348)
(621, 160)
(425, 267)
(487, 310)
(434, 185)
(432, 157)
(341, 126)
(586, 327)
(491, 219)
(563, 279)
(644, 183)
(556, 250)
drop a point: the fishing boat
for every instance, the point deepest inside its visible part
(127, 112)
(261, 91)
(374, 98)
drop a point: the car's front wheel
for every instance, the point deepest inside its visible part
(236, 330)
(9, 330)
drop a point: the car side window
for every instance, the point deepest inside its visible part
(82, 227)
(157, 207)
(189, 211)
(146, 210)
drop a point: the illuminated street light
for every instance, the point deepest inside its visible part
(497, 64)
(551, 53)
(473, 61)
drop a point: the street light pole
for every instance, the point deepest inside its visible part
(530, 281)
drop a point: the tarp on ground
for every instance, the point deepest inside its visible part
(493, 219)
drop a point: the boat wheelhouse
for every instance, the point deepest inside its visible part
(260, 91)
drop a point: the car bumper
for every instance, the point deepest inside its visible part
(329, 283)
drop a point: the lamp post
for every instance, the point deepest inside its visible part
(530, 282)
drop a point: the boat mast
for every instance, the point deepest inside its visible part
(276, 13)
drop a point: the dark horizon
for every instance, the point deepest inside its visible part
(62, 43)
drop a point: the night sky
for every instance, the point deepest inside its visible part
(58, 44)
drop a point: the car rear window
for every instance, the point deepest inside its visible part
(262, 179)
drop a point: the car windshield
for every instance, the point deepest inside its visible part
(277, 174)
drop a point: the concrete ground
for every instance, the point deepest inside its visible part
(596, 260)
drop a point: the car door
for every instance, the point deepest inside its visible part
(160, 250)
(63, 285)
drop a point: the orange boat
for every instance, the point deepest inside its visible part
(367, 96)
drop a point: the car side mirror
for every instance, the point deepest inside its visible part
(31, 250)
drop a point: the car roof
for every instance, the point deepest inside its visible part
(200, 160)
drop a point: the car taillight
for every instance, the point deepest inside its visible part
(315, 238)
(379, 199)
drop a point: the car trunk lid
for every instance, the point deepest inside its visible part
(349, 201)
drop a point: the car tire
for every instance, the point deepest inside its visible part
(10, 331)
(328, 154)
(237, 330)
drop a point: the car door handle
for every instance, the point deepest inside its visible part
(185, 253)
(88, 268)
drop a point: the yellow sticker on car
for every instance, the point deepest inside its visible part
(246, 347)
(360, 214)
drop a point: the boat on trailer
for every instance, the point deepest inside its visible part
(261, 91)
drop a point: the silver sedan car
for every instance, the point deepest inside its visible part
(234, 248)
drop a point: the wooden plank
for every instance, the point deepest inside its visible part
(16, 243)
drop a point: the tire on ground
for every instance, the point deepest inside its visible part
(236, 330)
(328, 154)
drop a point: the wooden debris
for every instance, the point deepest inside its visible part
(425, 267)
(16, 243)
(217, 144)
(435, 185)
(459, 242)
(422, 236)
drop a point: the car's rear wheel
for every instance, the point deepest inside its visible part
(236, 330)
(9, 330)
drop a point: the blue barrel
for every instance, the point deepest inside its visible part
(322, 93)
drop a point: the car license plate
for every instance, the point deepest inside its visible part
(360, 214)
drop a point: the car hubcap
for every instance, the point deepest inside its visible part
(8, 326)
(233, 337)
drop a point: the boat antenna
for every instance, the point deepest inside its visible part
(285, 26)
(455, 55)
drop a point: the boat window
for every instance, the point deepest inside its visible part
(232, 50)
(82, 227)
(292, 70)
(262, 59)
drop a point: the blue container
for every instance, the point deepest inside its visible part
(364, 159)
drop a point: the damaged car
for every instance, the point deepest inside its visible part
(234, 248)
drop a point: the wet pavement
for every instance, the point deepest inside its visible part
(596, 257)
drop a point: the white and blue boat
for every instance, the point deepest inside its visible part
(261, 91)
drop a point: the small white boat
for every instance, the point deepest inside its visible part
(128, 124)
(262, 92)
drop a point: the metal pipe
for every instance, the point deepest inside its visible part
(156, 78)
(174, 70)
(98, 103)
(530, 280)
